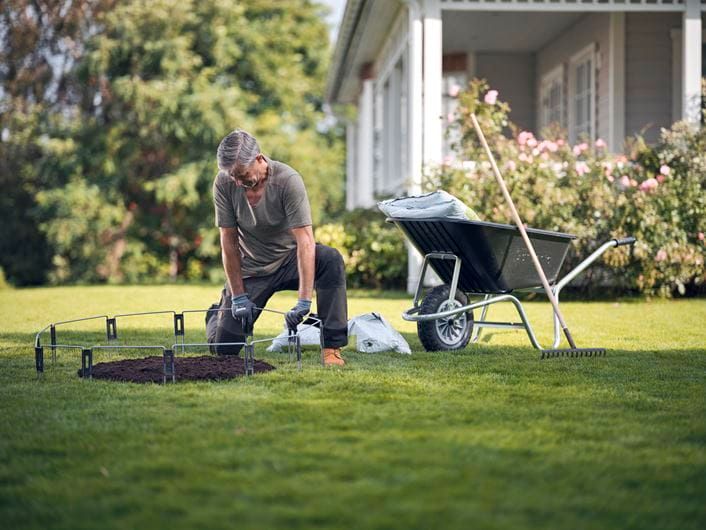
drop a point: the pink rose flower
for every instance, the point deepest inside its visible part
(450, 117)
(664, 169)
(491, 97)
(532, 142)
(625, 181)
(701, 236)
(454, 90)
(576, 150)
(649, 184)
(582, 168)
(610, 178)
(661, 255)
(552, 146)
(660, 178)
(633, 182)
(600, 144)
(523, 137)
(560, 142)
(535, 151)
(510, 164)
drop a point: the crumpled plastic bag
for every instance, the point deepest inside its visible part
(434, 204)
(375, 334)
(309, 335)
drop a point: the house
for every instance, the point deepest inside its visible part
(599, 68)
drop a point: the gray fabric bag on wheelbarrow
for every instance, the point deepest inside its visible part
(434, 204)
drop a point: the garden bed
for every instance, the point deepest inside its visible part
(151, 369)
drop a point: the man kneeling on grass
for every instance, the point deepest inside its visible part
(267, 245)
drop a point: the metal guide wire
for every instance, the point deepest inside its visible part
(168, 352)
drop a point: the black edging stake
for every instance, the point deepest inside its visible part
(169, 372)
(179, 324)
(39, 359)
(52, 335)
(111, 328)
(87, 363)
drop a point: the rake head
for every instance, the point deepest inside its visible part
(574, 352)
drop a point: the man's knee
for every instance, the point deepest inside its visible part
(329, 257)
(330, 269)
(222, 328)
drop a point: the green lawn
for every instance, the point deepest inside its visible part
(490, 437)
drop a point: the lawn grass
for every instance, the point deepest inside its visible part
(490, 437)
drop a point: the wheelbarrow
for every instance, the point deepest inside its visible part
(481, 264)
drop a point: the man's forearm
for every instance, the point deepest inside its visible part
(306, 254)
(230, 254)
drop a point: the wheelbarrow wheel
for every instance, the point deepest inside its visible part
(443, 334)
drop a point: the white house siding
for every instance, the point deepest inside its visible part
(594, 29)
(648, 72)
(512, 75)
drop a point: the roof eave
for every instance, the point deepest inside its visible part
(341, 53)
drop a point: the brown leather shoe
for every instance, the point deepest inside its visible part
(332, 357)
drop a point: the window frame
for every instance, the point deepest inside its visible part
(554, 75)
(587, 53)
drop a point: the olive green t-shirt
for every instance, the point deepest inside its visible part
(264, 230)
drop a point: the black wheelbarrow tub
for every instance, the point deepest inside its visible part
(494, 258)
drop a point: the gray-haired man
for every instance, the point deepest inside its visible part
(267, 245)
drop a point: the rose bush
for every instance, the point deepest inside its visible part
(655, 193)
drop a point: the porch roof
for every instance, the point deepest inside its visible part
(360, 36)
(366, 22)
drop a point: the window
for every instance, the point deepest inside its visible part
(582, 95)
(551, 99)
(391, 129)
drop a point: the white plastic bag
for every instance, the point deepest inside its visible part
(434, 204)
(309, 335)
(375, 334)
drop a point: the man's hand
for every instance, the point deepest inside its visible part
(242, 308)
(296, 315)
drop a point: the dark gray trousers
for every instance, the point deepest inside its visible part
(331, 300)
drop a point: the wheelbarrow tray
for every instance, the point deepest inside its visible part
(494, 258)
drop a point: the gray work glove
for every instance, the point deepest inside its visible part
(244, 310)
(296, 315)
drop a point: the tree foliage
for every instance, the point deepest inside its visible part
(119, 147)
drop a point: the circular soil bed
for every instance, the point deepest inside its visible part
(151, 369)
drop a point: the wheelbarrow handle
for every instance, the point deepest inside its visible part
(625, 241)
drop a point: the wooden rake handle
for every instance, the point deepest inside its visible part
(523, 232)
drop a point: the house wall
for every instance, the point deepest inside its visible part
(648, 72)
(592, 28)
(512, 75)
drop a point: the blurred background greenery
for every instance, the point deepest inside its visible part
(111, 112)
(110, 115)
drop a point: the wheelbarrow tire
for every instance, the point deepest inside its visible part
(444, 334)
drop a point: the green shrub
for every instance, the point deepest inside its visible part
(656, 194)
(373, 251)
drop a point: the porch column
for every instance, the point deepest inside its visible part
(691, 62)
(351, 158)
(616, 80)
(415, 124)
(364, 163)
(433, 79)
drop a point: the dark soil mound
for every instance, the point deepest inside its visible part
(151, 369)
